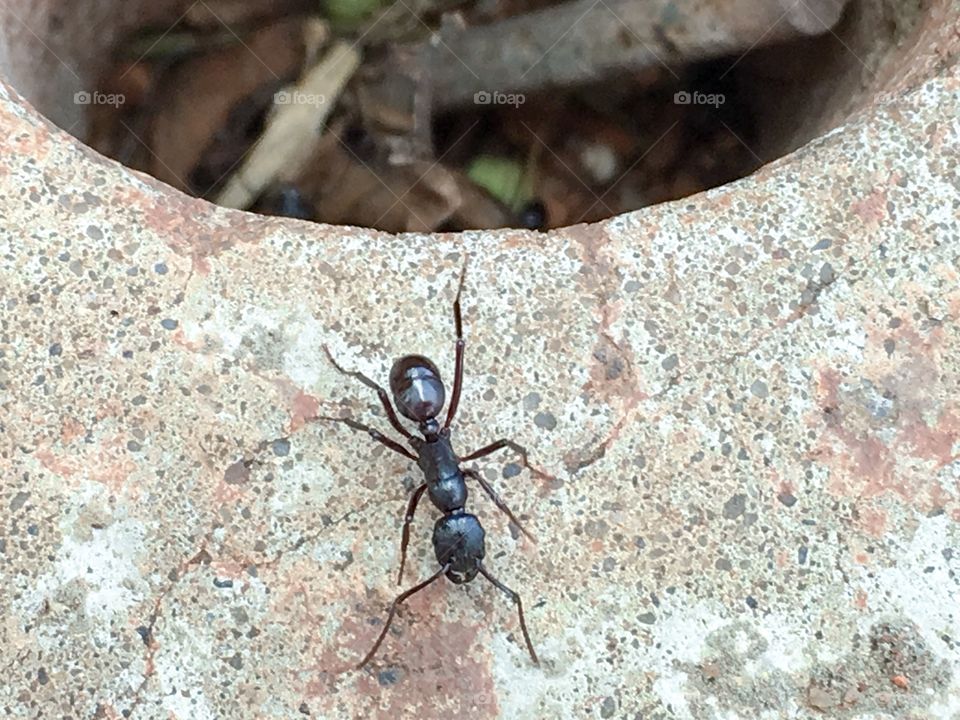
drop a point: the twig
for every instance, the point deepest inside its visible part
(293, 129)
(587, 40)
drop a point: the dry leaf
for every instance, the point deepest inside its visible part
(346, 190)
(200, 93)
(293, 129)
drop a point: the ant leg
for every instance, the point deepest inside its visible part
(498, 445)
(497, 500)
(393, 609)
(408, 518)
(375, 434)
(381, 393)
(516, 447)
(458, 371)
(519, 604)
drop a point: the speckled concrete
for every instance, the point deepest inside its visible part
(744, 407)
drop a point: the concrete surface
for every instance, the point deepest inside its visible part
(744, 410)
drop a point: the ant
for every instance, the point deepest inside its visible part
(458, 537)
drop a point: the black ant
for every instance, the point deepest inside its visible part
(533, 215)
(458, 536)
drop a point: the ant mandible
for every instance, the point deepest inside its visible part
(458, 537)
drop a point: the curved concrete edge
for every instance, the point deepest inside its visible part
(743, 406)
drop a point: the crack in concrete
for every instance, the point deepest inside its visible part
(602, 447)
(238, 472)
(801, 312)
(305, 539)
(603, 295)
(606, 272)
(201, 557)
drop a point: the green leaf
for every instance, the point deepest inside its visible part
(502, 177)
(350, 14)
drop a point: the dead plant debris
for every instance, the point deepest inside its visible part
(329, 111)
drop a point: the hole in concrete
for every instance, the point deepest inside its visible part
(594, 150)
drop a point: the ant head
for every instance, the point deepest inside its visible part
(417, 388)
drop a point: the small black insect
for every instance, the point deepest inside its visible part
(533, 215)
(458, 538)
(285, 200)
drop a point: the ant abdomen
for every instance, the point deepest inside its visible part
(458, 541)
